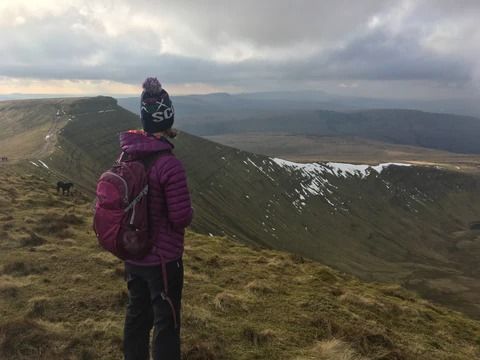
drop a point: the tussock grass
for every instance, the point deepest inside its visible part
(327, 275)
(9, 280)
(8, 226)
(204, 351)
(73, 219)
(20, 268)
(226, 301)
(259, 287)
(325, 328)
(297, 259)
(197, 316)
(22, 339)
(38, 306)
(4, 237)
(214, 262)
(32, 240)
(69, 242)
(4, 204)
(120, 300)
(8, 291)
(28, 339)
(359, 300)
(258, 338)
(55, 230)
(105, 258)
(53, 223)
(333, 349)
(192, 275)
(398, 292)
(29, 220)
(66, 300)
(78, 278)
(118, 272)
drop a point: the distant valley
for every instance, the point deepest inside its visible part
(312, 148)
(317, 127)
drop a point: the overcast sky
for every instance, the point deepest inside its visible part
(401, 48)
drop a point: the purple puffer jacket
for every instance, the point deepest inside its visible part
(169, 206)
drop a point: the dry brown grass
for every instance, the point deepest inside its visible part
(359, 300)
(38, 306)
(105, 258)
(332, 349)
(197, 316)
(226, 300)
(8, 291)
(258, 338)
(32, 240)
(4, 203)
(202, 350)
(259, 287)
(28, 339)
(21, 268)
(22, 339)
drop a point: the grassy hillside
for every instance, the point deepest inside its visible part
(62, 298)
(407, 224)
(29, 127)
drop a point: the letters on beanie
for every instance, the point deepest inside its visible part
(157, 111)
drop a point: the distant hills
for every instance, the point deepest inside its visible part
(406, 127)
(320, 114)
(403, 224)
(310, 100)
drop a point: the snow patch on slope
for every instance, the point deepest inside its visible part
(339, 169)
(313, 181)
(262, 169)
(342, 169)
(44, 165)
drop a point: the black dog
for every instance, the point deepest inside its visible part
(65, 186)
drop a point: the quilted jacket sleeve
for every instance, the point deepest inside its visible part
(177, 195)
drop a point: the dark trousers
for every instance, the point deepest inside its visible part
(147, 308)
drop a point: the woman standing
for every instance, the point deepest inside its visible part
(155, 283)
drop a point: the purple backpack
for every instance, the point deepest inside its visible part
(121, 215)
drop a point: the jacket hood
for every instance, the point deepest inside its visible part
(139, 144)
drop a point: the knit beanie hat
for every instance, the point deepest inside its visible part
(157, 110)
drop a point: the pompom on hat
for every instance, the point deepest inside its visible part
(157, 111)
(152, 85)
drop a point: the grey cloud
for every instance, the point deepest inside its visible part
(270, 23)
(52, 49)
(375, 56)
(378, 56)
